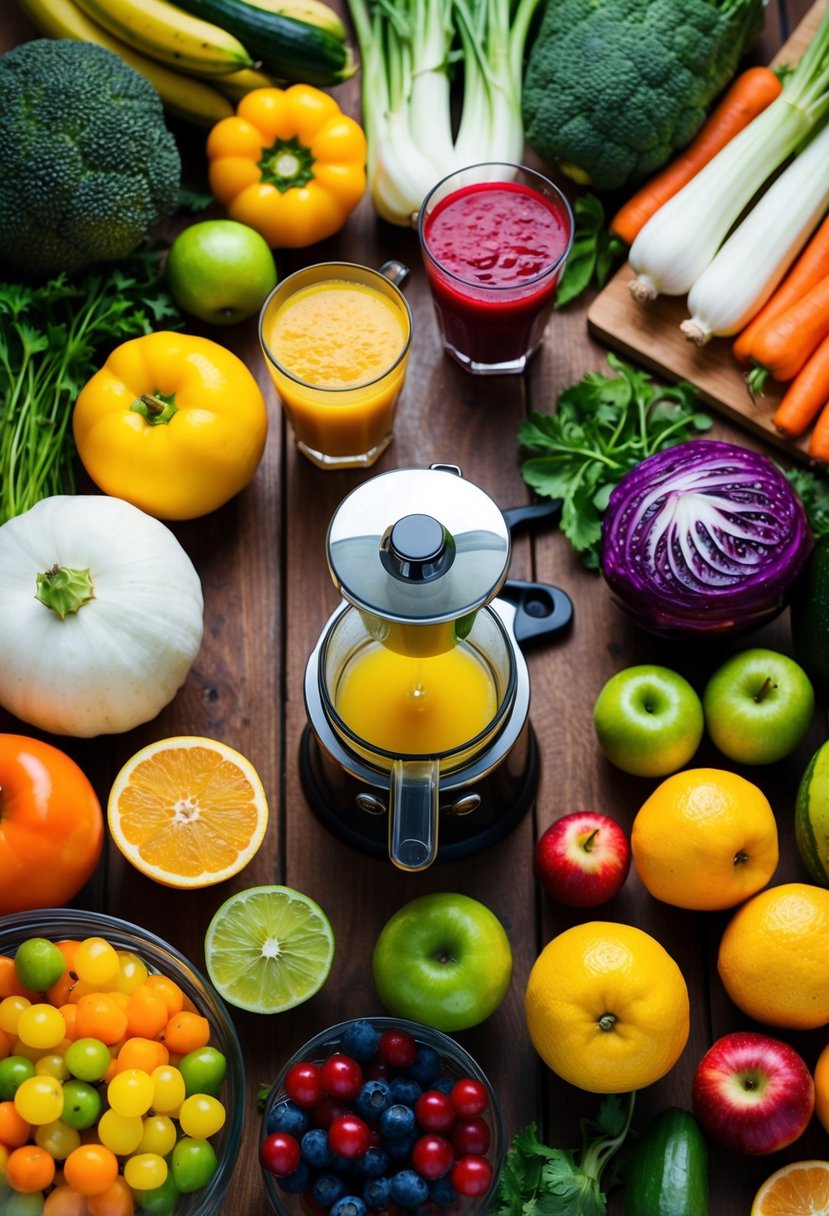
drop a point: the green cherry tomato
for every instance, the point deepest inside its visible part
(194, 1163)
(20, 1203)
(88, 1059)
(204, 1071)
(38, 964)
(13, 1070)
(160, 1201)
(81, 1104)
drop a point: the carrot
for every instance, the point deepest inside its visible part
(809, 269)
(803, 401)
(782, 348)
(749, 94)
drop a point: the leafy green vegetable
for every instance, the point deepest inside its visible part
(814, 494)
(540, 1181)
(52, 338)
(603, 426)
(594, 254)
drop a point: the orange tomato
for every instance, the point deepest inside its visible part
(51, 827)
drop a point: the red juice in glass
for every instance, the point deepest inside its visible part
(494, 251)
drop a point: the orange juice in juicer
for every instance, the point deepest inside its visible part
(418, 743)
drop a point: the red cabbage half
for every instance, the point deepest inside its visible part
(703, 538)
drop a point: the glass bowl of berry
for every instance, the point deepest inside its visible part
(124, 1064)
(380, 1114)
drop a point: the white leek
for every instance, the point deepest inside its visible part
(680, 240)
(408, 51)
(748, 267)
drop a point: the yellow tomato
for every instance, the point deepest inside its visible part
(607, 1007)
(288, 163)
(172, 423)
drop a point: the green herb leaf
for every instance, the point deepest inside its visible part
(814, 494)
(594, 254)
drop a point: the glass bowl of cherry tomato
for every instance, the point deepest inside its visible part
(380, 1114)
(121, 1073)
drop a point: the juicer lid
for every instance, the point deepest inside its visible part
(418, 545)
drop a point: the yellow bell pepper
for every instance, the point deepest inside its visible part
(288, 163)
(173, 423)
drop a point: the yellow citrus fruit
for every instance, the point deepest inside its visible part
(607, 1007)
(705, 839)
(188, 811)
(774, 956)
(798, 1189)
(822, 1087)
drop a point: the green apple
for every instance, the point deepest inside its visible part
(758, 706)
(444, 960)
(648, 720)
(220, 271)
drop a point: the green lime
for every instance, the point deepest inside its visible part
(38, 964)
(811, 823)
(268, 949)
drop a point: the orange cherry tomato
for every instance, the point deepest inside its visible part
(51, 827)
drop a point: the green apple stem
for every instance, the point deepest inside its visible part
(765, 689)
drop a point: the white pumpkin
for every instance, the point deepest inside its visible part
(113, 647)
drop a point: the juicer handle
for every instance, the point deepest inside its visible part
(413, 813)
(541, 611)
(534, 513)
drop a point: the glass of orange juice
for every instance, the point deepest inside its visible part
(336, 339)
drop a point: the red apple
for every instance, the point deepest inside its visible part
(582, 859)
(752, 1093)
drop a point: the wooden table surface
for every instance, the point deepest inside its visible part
(267, 597)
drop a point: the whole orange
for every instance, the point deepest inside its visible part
(607, 1007)
(705, 839)
(822, 1087)
(774, 956)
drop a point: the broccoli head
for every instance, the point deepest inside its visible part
(87, 165)
(613, 88)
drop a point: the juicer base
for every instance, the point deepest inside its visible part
(506, 794)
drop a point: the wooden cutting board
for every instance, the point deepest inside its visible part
(650, 335)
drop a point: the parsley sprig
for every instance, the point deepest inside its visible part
(603, 426)
(541, 1181)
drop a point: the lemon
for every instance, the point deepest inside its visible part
(268, 949)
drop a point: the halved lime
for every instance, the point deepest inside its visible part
(268, 948)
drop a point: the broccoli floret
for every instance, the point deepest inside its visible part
(613, 88)
(87, 165)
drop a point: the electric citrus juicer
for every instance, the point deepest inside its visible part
(418, 742)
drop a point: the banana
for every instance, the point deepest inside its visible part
(164, 32)
(311, 12)
(238, 84)
(187, 98)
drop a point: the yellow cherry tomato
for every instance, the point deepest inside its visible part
(288, 163)
(173, 423)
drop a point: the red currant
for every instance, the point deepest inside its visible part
(349, 1136)
(279, 1154)
(398, 1048)
(342, 1076)
(471, 1136)
(469, 1098)
(432, 1157)
(326, 1111)
(303, 1084)
(471, 1176)
(434, 1111)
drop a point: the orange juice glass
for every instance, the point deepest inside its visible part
(336, 338)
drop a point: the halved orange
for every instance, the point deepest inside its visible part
(188, 811)
(799, 1189)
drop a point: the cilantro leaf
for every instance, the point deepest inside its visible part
(814, 494)
(594, 254)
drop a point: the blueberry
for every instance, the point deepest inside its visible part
(426, 1066)
(409, 1189)
(286, 1116)
(442, 1192)
(349, 1205)
(398, 1148)
(295, 1183)
(360, 1040)
(327, 1189)
(372, 1163)
(397, 1121)
(377, 1192)
(405, 1090)
(315, 1148)
(444, 1084)
(374, 1097)
(340, 1164)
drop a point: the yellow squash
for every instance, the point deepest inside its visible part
(289, 163)
(172, 423)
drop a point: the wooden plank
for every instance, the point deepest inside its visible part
(650, 334)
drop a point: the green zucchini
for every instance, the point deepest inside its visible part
(285, 47)
(809, 616)
(667, 1169)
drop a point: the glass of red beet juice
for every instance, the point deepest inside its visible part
(494, 238)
